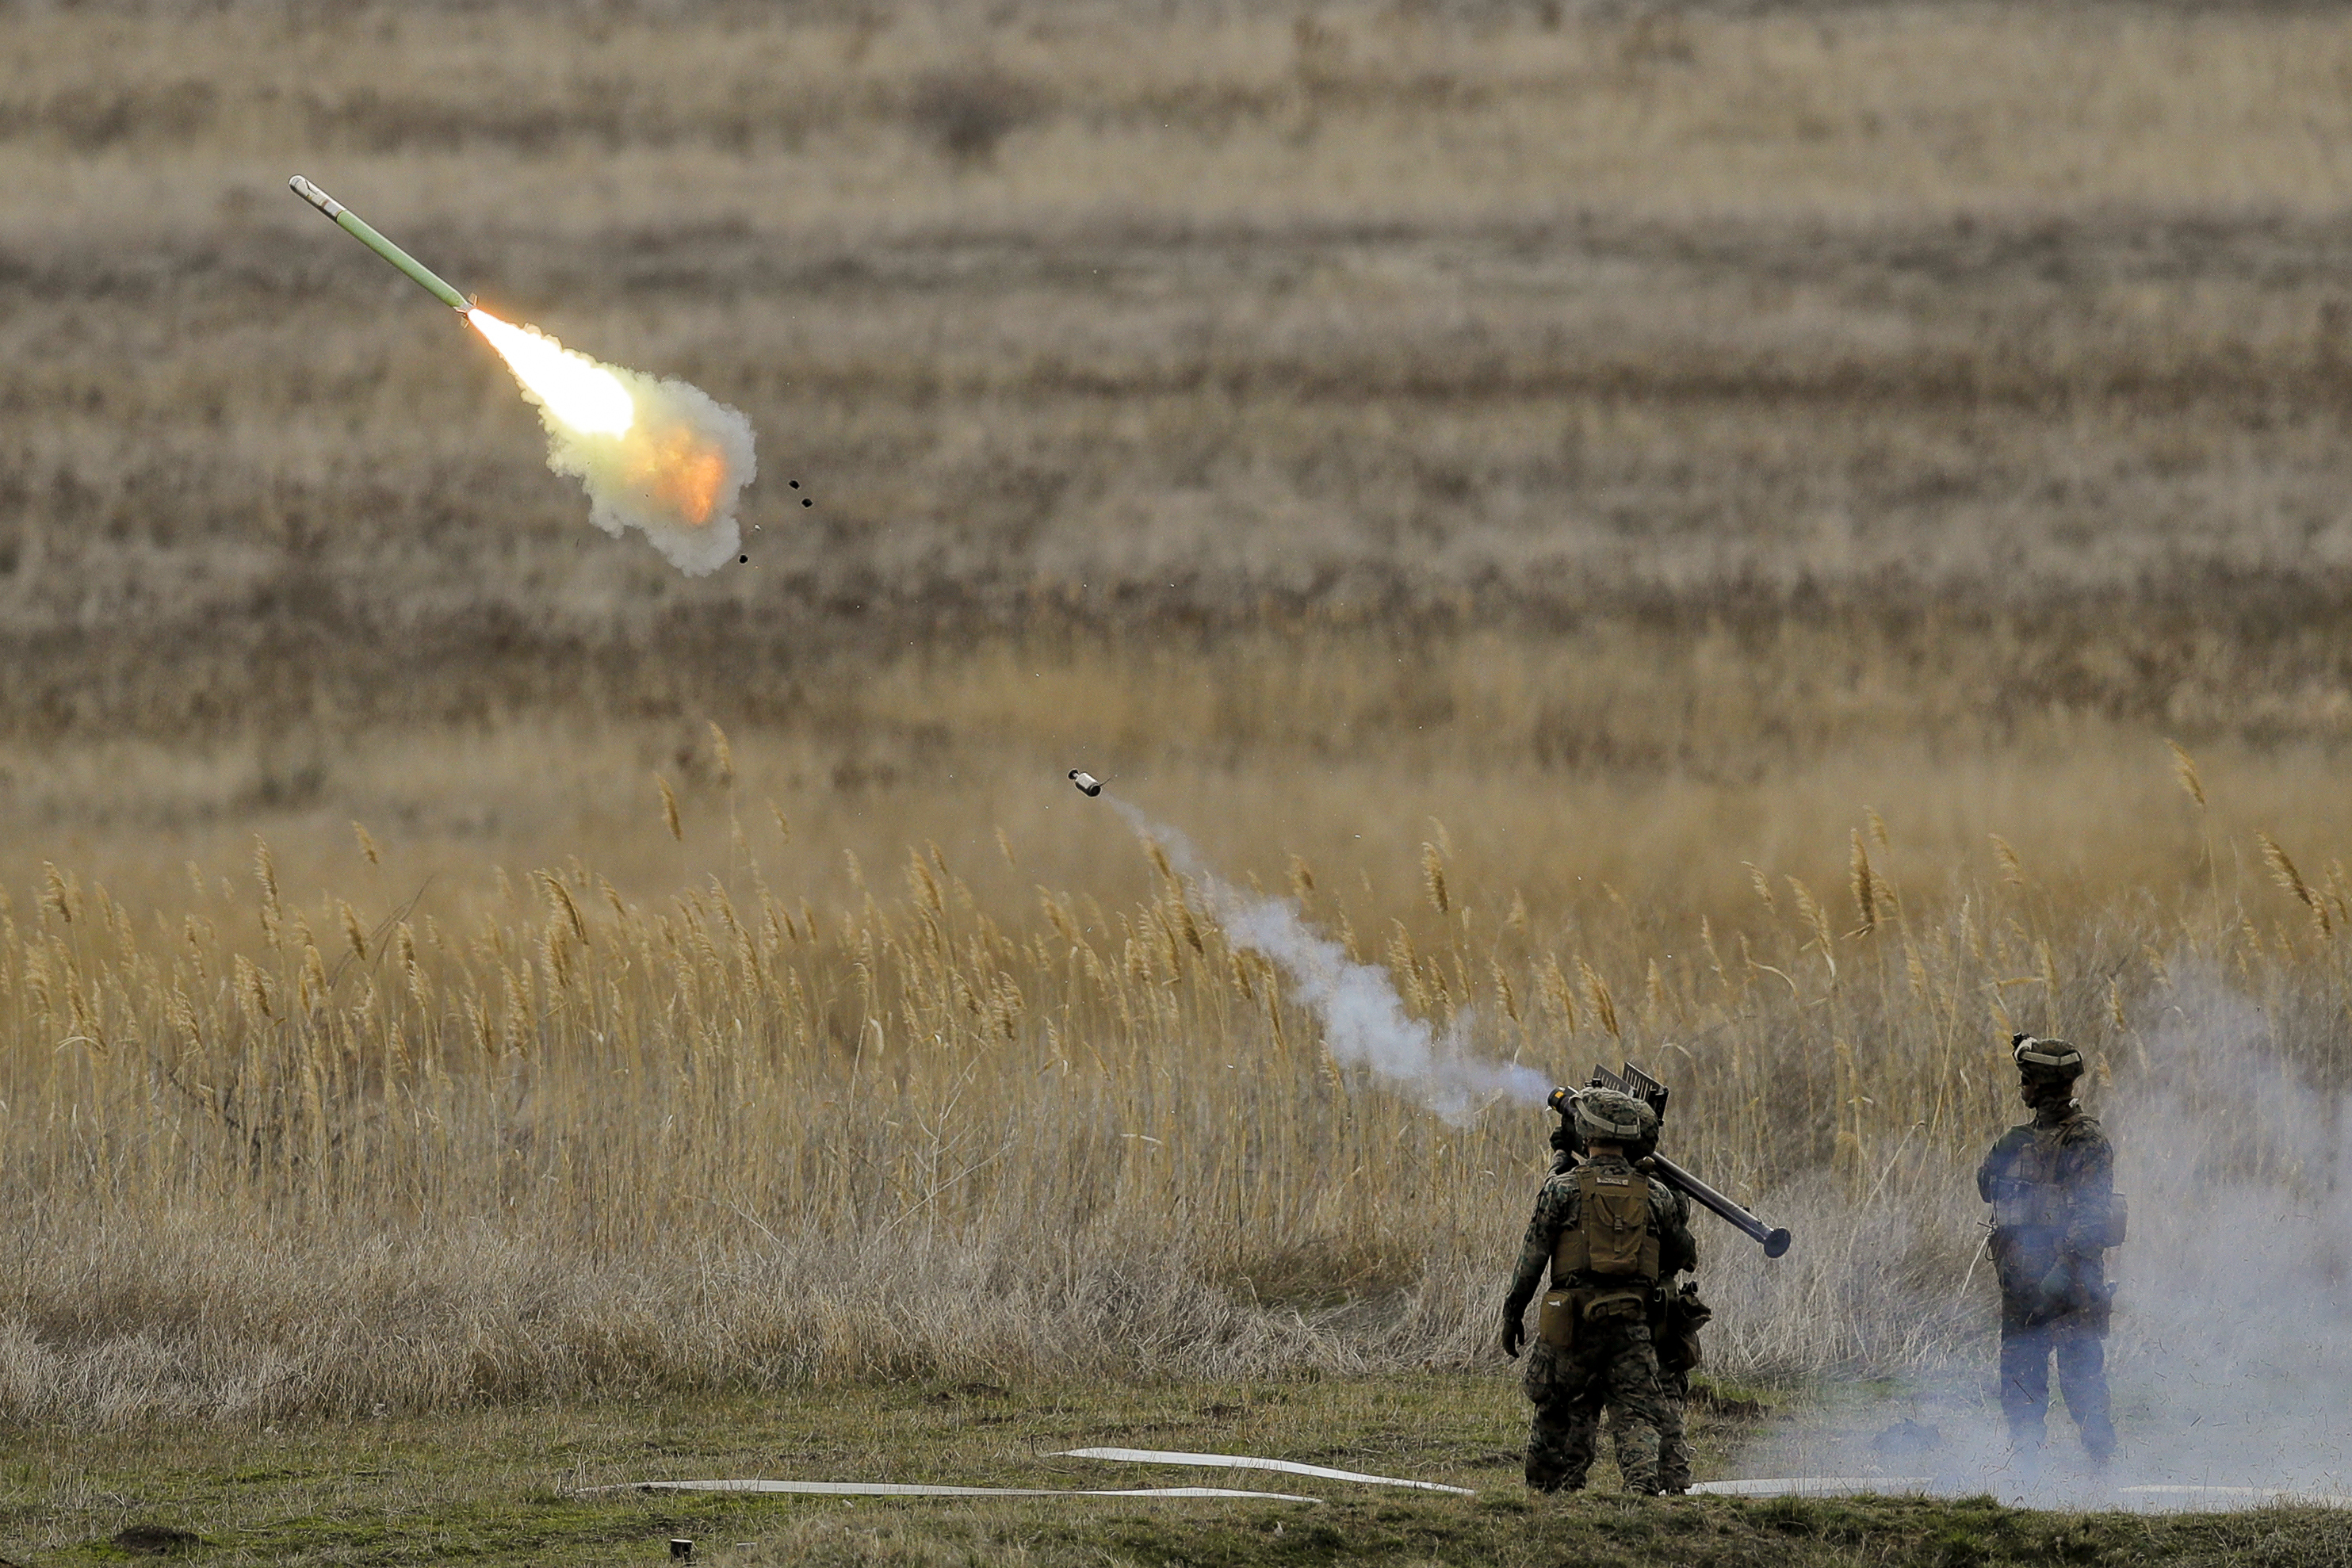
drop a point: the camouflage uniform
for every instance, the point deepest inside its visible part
(1674, 1323)
(1612, 1363)
(1677, 1336)
(2050, 1181)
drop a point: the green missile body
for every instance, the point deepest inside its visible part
(357, 228)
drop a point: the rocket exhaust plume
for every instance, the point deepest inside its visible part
(1365, 1024)
(658, 456)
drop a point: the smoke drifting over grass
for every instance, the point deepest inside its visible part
(2233, 1355)
(1365, 1024)
(2230, 1357)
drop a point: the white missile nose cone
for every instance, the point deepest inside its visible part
(1087, 784)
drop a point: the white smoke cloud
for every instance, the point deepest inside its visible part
(676, 476)
(2234, 1330)
(1365, 1024)
(2229, 1362)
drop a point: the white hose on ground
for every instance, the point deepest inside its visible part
(893, 1489)
(1814, 1486)
(1244, 1462)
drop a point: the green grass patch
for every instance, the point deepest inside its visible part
(503, 1487)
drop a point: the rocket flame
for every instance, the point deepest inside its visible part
(577, 390)
(660, 456)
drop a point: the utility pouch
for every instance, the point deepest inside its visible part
(2111, 1234)
(1685, 1314)
(1556, 1319)
(2099, 1313)
(2089, 1316)
(1616, 1307)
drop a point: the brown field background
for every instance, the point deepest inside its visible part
(1514, 475)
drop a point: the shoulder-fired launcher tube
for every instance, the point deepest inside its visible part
(357, 228)
(1774, 1238)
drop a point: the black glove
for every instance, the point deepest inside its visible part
(2058, 1288)
(1515, 1331)
(2054, 1295)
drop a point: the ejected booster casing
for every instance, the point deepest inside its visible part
(357, 228)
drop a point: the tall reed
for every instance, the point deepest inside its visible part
(275, 1158)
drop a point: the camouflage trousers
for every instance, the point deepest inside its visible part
(1674, 1444)
(1616, 1369)
(2082, 1357)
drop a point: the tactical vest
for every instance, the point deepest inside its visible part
(1617, 1236)
(2033, 1194)
(2030, 1194)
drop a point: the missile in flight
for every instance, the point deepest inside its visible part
(653, 454)
(358, 228)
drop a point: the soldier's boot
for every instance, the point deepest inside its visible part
(2025, 1388)
(2083, 1379)
(1546, 1475)
(1549, 1480)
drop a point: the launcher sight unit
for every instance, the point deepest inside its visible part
(1632, 1080)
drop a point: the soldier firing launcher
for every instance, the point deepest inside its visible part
(1632, 1080)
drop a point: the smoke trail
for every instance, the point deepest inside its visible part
(659, 455)
(1364, 1021)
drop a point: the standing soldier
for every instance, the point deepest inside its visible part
(1675, 1318)
(2055, 1212)
(1608, 1234)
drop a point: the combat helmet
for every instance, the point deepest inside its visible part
(2045, 1061)
(1605, 1115)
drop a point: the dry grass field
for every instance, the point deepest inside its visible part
(1104, 313)
(1680, 533)
(544, 1137)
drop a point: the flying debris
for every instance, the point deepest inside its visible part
(1087, 784)
(653, 455)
